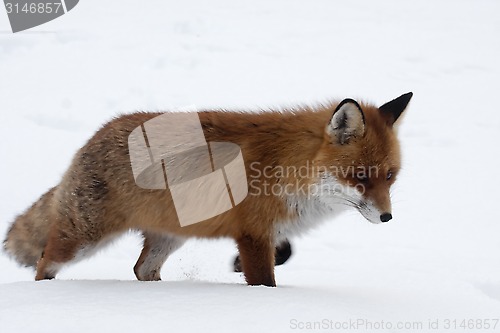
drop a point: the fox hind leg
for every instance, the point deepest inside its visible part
(60, 249)
(68, 244)
(157, 248)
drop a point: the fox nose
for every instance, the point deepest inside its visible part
(385, 217)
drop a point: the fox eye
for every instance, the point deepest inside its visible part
(362, 178)
(389, 175)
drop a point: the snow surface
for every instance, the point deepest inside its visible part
(437, 260)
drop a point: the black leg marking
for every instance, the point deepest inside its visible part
(282, 254)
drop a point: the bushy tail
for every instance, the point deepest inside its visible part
(27, 237)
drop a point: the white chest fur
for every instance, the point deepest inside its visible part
(307, 213)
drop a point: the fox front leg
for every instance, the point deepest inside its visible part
(282, 253)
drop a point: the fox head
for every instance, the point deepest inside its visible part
(361, 154)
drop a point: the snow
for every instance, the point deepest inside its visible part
(436, 260)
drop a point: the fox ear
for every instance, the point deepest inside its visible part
(393, 109)
(348, 121)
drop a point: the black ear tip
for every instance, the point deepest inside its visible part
(395, 107)
(404, 99)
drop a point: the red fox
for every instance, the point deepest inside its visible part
(303, 166)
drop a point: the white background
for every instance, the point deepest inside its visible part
(437, 259)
